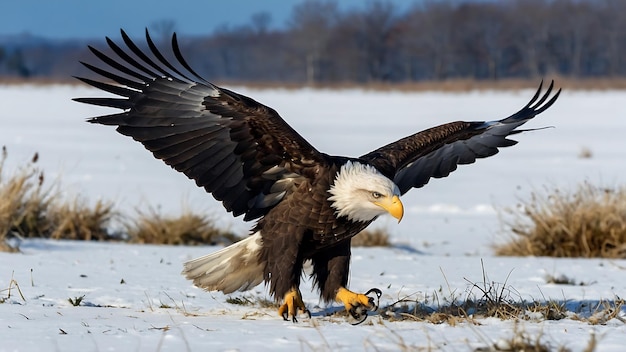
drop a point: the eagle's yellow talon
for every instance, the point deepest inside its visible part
(357, 304)
(351, 299)
(293, 302)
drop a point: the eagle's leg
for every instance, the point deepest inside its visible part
(357, 304)
(292, 302)
(330, 270)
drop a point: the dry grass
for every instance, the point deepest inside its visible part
(76, 220)
(249, 300)
(186, 229)
(585, 153)
(23, 202)
(498, 303)
(589, 222)
(29, 209)
(601, 312)
(520, 340)
(483, 299)
(486, 298)
(13, 285)
(371, 238)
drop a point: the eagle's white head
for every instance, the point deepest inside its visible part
(361, 193)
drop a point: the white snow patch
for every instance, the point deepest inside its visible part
(136, 299)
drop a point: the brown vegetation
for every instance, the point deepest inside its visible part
(588, 222)
(371, 238)
(497, 300)
(23, 203)
(29, 209)
(76, 220)
(186, 229)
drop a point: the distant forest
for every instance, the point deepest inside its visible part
(430, 41)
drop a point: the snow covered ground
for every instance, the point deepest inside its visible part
(136, 299)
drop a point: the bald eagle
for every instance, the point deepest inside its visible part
(307, 204)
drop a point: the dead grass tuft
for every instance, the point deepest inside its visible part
(251, 300)
(562, 279)
(371, 238)
(76, 301)
(590, 222)
(240, 301)
(521, 340)
(585, 153)
(488, 298)
(12, 283)
(186, 229)
(600, 312)
(483, 299)
(23, 202)
(29, 209)
(77, 221)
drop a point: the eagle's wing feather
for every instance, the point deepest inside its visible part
(436, 152)
(239, 150)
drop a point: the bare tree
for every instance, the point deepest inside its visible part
(613, 31)
(311, 24)
(376, 34)
(375, 41)
(529, 27)
(427, 40)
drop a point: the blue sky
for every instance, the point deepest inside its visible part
(98, 18)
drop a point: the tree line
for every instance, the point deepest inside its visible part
(430, 40)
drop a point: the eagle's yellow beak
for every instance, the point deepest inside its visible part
(393, 206)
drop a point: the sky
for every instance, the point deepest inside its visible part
(68, 19)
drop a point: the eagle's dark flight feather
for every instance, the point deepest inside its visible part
(435, 152)
(224, 141)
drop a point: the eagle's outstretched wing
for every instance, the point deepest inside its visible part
(239, 150)
(435, 152)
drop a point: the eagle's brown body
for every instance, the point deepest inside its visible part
(307, 204)
(315, 233)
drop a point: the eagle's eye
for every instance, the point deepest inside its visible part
(376, 195)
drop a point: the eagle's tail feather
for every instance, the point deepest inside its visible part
(234, 268)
